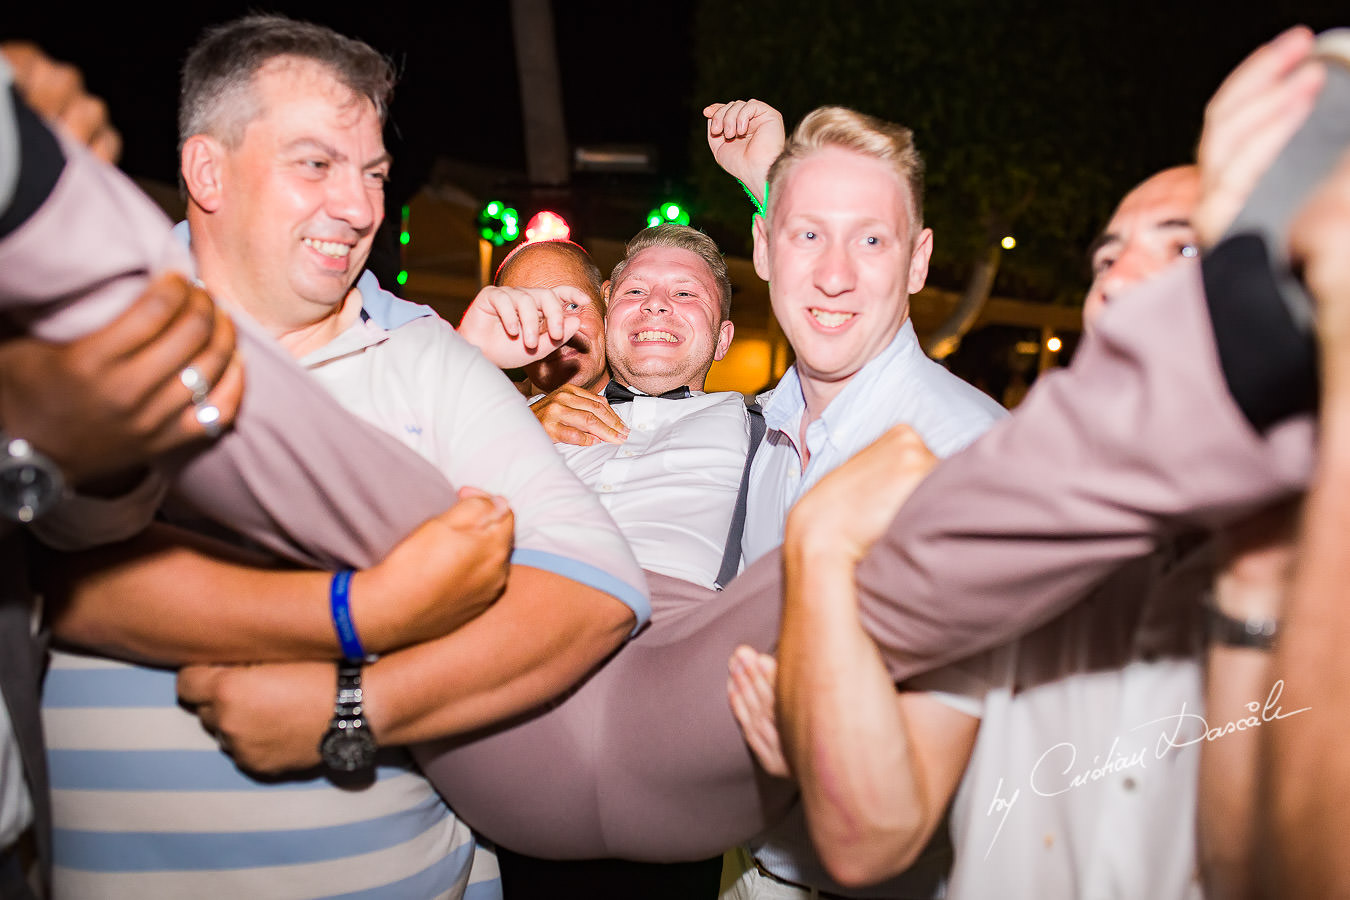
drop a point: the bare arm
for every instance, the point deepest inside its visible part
(876, 768)
(540, 638)
(1307, 757)
(170, 597)
(1248, 588)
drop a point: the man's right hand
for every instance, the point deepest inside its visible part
(439, 577)
(850, 508)
(745, 137)
(573, 415)
(110, 401)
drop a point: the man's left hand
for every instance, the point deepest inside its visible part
(270, 717)
(513, 327)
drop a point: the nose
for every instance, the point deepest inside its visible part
(657, 302)
(351, 200)
(835, 273)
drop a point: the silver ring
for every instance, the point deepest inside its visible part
(195, 381)
(208, 416)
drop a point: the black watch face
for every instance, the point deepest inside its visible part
(347, 749)
(26, 490)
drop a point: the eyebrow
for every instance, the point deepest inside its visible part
(329, 150)
(1110, 237)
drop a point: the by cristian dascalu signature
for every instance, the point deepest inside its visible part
(1058, 771)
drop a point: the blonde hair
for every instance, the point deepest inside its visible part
(681, 237)
(837, 126)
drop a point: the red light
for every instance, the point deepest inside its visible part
(547, 226)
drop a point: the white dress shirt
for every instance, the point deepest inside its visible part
(672, 486)
(900, 385)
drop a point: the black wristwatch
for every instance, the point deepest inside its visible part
(30, 483)
(1223, 629)
(349, 745)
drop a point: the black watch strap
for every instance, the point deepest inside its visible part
(1228, 631)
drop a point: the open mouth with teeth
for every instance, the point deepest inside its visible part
(829, 318)
(330, 249)
(664, 337)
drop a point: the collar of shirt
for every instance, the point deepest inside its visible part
(379, 306)
(783, 410)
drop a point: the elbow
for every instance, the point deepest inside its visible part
(869, 850)
(862, 868)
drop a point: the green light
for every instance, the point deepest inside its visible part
(672, 212)
(406, 210)
(404, 237)
(402, 277)
(653, 221)
(498, 223)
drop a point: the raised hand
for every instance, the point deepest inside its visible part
(1251, 117)
(56, 92)
(745, 137)
(516, 326)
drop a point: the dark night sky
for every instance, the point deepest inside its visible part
(458, 94)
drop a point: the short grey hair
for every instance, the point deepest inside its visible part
(217, 97)
(681, 237)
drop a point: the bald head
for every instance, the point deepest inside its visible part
(1149, 230)
(548, 264)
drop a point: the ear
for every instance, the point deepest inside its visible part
(605, 290)
(918, 260)
(723, 339)
(202, 166)
(760, 230)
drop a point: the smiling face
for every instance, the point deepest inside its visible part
(664, 328)
(283, 222)
(581, 361)
(841, 262)
(1148, 232)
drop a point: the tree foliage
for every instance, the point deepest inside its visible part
(1045, 113)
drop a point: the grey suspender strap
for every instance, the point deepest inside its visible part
(731, 556)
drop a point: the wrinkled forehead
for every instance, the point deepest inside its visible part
(669, 265)
(1165, 201)
(285, 80)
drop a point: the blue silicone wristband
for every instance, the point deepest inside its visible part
(339, 599)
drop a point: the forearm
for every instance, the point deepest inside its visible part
(540, 638)
(843, 730)
(1306, 763)
(165, 598)
(1229, 770)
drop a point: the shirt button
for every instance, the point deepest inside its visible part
(625, 452)
(606, 488)
(1130, 784)
(644, 426)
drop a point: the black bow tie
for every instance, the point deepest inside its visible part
(617, 393)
